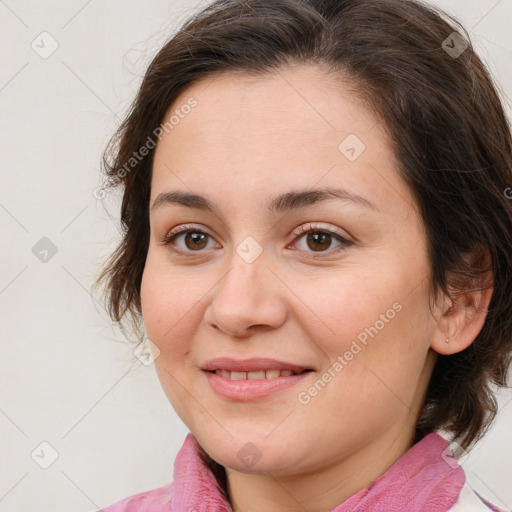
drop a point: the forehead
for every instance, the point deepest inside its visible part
(287, 130)
(302, 100)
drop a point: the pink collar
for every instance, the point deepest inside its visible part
(426, 478)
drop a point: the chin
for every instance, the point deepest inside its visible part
(250, 456)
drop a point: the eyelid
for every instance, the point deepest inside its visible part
(317, 226)
(182, 228)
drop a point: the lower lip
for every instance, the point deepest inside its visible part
(251, 389)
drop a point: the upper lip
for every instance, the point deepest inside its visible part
(251, 365)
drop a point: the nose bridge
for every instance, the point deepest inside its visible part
(246, 296)
(247, 274)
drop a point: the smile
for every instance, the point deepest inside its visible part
(248, 386)
(257, 375)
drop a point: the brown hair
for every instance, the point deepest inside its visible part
(448, 130)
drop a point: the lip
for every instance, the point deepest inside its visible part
(251, 389)
(253, 364)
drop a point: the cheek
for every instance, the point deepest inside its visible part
(374, 319)
(344, 307)
(167, 305)
(169, 311)
(375, 346)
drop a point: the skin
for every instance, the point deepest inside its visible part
(248, 140)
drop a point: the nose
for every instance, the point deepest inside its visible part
(249, 298)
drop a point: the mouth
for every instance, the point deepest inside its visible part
(254, 368)
(257, 378)
(258, 374)
(255, 385)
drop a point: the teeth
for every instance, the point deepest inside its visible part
(256, 375)
(272, 374)
(261, 374)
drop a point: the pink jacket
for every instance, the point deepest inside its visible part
(426, 479)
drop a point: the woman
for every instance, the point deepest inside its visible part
(317, 235)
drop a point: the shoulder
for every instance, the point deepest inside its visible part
(470, 501)
(154, 500)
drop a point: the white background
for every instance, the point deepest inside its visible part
(66, 376)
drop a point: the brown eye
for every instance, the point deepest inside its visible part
(194, 240)
(316, 240)
(319, 240)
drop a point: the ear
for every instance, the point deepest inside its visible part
(461, 320)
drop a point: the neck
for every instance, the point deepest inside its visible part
(324, 488)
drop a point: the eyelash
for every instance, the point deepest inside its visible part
(169, 238)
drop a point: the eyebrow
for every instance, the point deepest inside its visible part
(282, 203)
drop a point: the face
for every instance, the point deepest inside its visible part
(336, 284)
